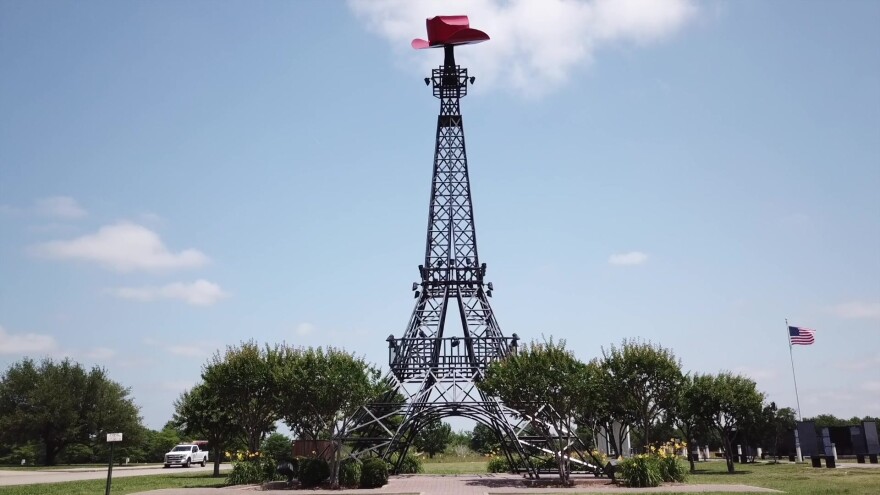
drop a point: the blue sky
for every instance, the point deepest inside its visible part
(176, 177)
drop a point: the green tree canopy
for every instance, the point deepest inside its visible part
(244, 382)
(773, 425)
(321, 387)
(484, 440)
(160, 442)
(202, 412)
(547, 385)
(728, 403)
(321, 391)
(644, 382)
(434, 437)
(61, 404)
(689, 415)
(277, 446)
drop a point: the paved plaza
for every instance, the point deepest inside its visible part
(469, 485)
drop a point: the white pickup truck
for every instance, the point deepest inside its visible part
(185, 455)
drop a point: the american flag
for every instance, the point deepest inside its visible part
(801, 336)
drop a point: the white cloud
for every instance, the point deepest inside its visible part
(304, 329)
(25, 343)
(535, 44)
(630, 258)
(60, 207)
(123, 247)
(198, 293)
(857, 310)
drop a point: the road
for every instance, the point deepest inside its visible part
(22, 477)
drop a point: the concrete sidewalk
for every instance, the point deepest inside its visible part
(468, 485)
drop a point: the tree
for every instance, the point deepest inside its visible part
(603, 412)
(484, 439)
(434, 437)
(774, 424)
(689, 416)
(202, 412)
(161, 442)
(109, 410)
(827, 420)
(728, 403)
(547, 385)
(321, 392)
(645, 380)
(243, 381)
(460, 438)
(277, 446)
(62, 404)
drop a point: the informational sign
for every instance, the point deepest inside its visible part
(114, 437)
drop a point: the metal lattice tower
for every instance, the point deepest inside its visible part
(434, 371)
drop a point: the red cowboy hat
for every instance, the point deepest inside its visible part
(449, 30)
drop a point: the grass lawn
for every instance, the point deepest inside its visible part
(453, 464)
(67, 466)
(800, 479)
(455, 467)
(792, 478)
(120, 486)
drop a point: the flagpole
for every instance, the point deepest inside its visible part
(793, 375)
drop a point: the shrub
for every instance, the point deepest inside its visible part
(498, 464)
(597, 457)
(350, 472)
(642, 470)
(672, 468)
(410, 465)
(546, 463)
(312, 471)
(295, 465)
(252, 471)
(374, 473)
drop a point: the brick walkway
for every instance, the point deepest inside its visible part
(467, 485)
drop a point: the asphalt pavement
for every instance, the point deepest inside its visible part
(29, 477)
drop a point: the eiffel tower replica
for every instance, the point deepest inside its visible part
(433, 374)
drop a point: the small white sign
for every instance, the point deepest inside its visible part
(114, 437)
